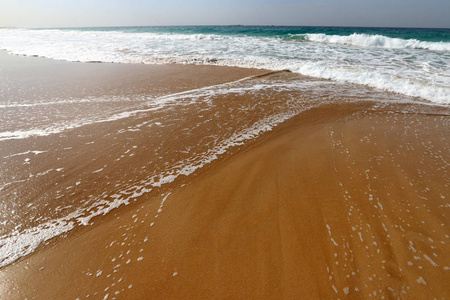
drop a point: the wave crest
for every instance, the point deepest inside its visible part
(374, 41)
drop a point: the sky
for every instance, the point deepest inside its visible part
(89, 13)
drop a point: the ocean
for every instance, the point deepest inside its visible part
(73, 149)
(413, 62)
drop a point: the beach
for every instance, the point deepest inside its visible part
(127, 181)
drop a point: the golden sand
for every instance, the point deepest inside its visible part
(336, 204)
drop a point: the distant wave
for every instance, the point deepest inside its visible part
(376, 41)
(75, 34)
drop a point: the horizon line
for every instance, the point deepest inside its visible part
(229, 25)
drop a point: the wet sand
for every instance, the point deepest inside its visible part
(343, 201)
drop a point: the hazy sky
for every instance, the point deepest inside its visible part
(78, 13)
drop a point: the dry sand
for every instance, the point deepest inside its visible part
(341, 202)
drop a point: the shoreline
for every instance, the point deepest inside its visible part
(257, 72)
(268, 217)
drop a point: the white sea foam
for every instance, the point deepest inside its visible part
(35, 152)
(377, 41)
(411, 67)
(18, 244)
(54, 102)
(389, 81)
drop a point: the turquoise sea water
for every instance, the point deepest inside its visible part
(422, 34)
(414, 62)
